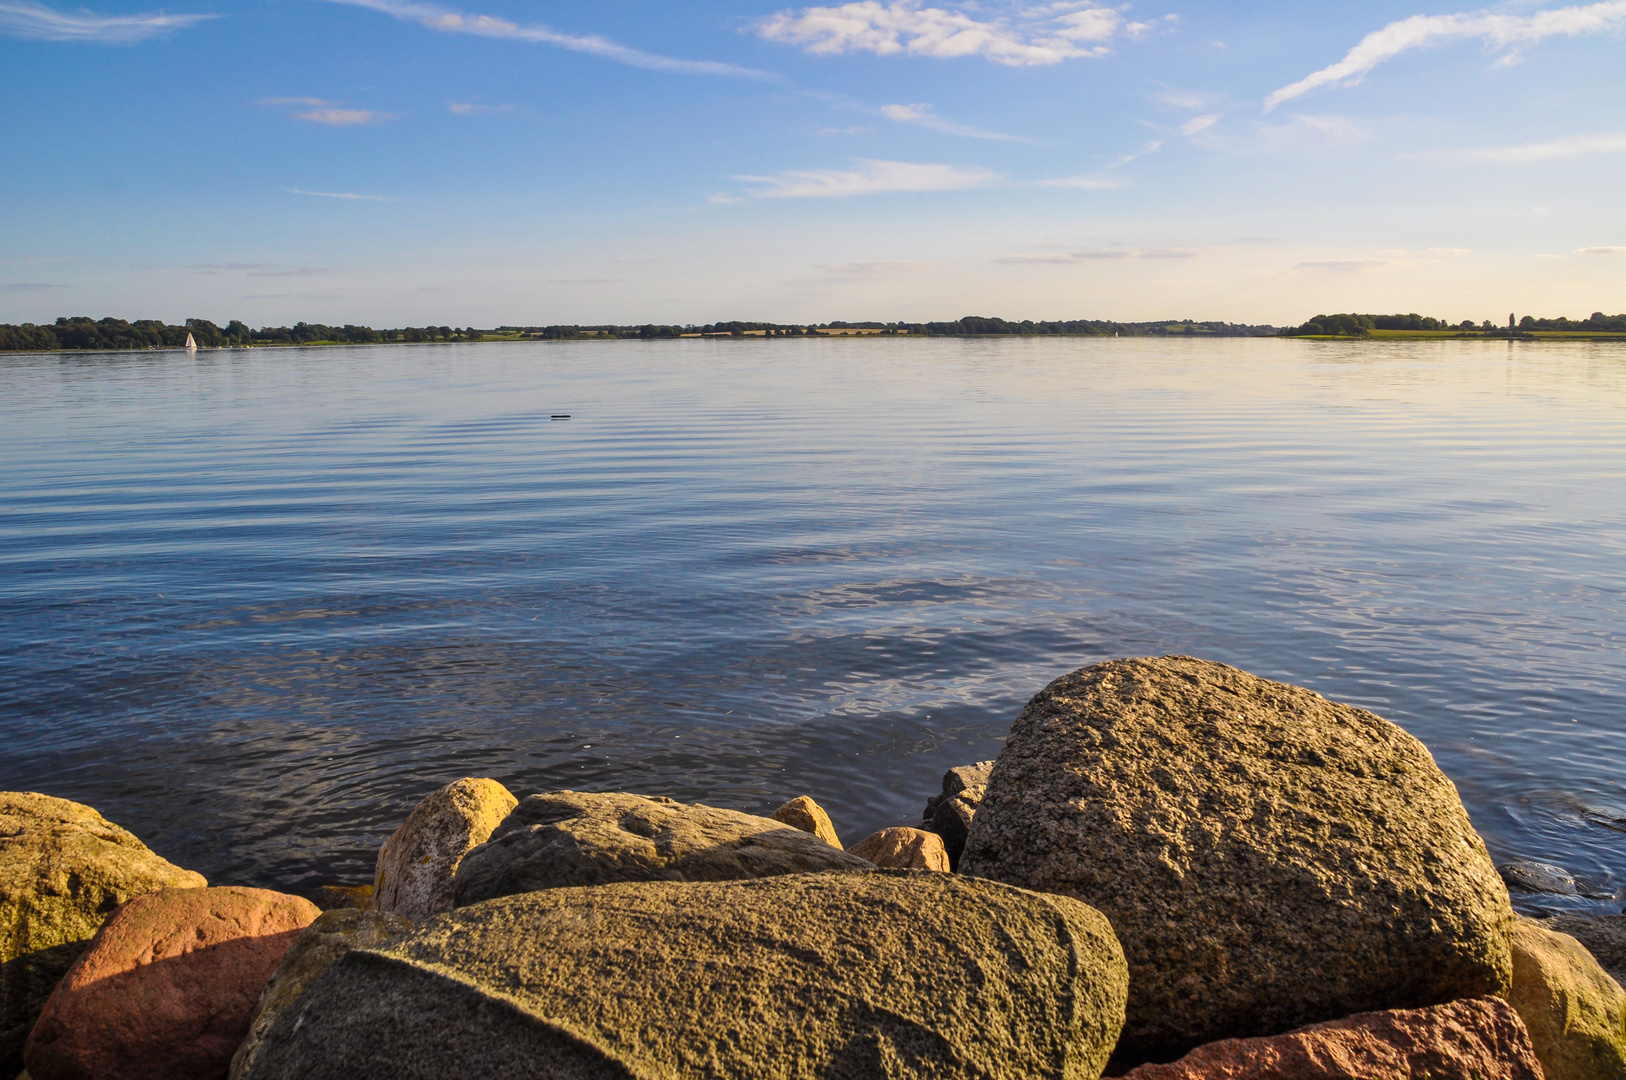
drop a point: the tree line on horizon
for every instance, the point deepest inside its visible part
(82, 333)
(1350, 325)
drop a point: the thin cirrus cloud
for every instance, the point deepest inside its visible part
(1088, 255)
(475, 108)
(320, 111)
(339, 195)
(1601, 251)
(36, 22)
(1574, 146)
(925, 116)
(433, 17)
(869, 178)
(1498, 31)
(1086, 183)
(1036, 35)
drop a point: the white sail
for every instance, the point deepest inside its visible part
(191, 346)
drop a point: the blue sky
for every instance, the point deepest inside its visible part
(397, 162)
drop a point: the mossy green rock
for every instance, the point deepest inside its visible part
(836, 976)
(1575, 1012)
(63, 869)
(1268, 858)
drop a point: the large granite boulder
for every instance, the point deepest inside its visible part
(165, 989)
(63, 868)
(579, 838)
(1478, 1039)
(890, 973)
(805, 814)
(417, 865)
(334, 933)
(1603, 935)
(1268, 858)
(1575, 1012)
(904, 849)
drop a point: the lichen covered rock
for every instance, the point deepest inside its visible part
(63, 869)
(1268, 858)
(1465, 1040)
(1575, 1012)
(815, 976)
(417, 866)
(332, 935)
(805, 814)
(569, 838)
(166, 987)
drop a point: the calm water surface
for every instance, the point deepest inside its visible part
(254, 604)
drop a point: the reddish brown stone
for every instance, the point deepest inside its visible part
(165, 989)
(1478, 1039)
(903, 849)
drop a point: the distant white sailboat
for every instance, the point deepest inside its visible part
(191, 346)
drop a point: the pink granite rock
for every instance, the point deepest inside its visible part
(1476, 1039)
(903, 849)
(165, 989)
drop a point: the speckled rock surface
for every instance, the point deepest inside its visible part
(165, 989)
(1575, 1013)
(957, 780)
(1465, 1040)
(1267, 857)
(952, 820)
(63, 869)
(417, 866)
(1603, 935)
(833, 976)
(904, 849)
(805, 814)
(571, 838)
(332, 935)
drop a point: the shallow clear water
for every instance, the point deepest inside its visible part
(253, 605)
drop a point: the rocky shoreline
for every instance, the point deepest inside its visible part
(1174, 869)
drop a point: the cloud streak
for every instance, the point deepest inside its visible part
(339, 195)
(1497, 31)
(1089, 255)
(22, 19)
(870, 178)
(1037, 35)
(925, 116)
(1557, 149)
(448, 21)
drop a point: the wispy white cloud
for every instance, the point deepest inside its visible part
(271, 270)
(1573, 146)
(23, 19)
(845, 131)
(1601, 251)
(339, 195)
(456, 22)
(1199, 124)
(1113, 253)
(1087, 183)
(1385, 261)
(870, 178)
(925, 116)
(1150, 148)
(1035, 35)
(475, 108)
(1498, 31)
(343, 117)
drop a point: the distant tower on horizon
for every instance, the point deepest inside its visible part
(1510, 323)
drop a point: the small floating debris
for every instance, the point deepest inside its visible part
(561, 416)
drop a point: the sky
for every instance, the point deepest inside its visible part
(522, 162)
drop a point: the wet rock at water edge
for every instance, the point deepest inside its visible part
(63, 869)
(332, 935)
(166, 987)
(1268, 858)
(417, 866)
(568, 838)
(805, 814)
(904, 849)
(957, 780)
(952, 820)
(1522, 875)
(1575, 1012)
(352, 897)
(828, 976)
(1479, 1039)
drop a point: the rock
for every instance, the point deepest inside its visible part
(1575, 1013)
(953, 818)
(417, 866)
(832, 976)
(166, 987)
(1480, 1039)
(903, 849)
(332, 935)
(1603, 935)
(1267, 857)
(579, 838)
(354, 897)
(957, 780)
(63, 868)
(1538, 877)
(805, 814)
